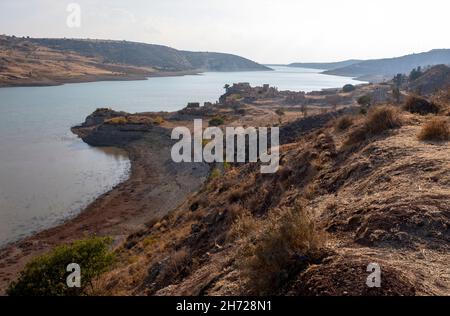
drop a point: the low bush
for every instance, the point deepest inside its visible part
(158, 120)
(46, 275)
(348, 88)
(270, 256)
(382, 118)
(343, 123)
(215, 173)
(241, 111)
(279, 112)
(419, 105)
(365, 100)
(135, 119)
(437, 129)
(378, 120)
(216, 121)
(176, 264)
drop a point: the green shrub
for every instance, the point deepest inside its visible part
(348, 88)
(215, 173)
(226, 165)
(46, 275)
(216, 121)
(415, 73)
(365, 100)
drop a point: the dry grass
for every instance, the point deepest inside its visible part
(235, 195)
(379, 119)
(177, 263)
(382, 118)
(437, 129)
(158, 120)
(120, 120)
(274, 247)
(135, 119)
(243, 225)
(343, 123)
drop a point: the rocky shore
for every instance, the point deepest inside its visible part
(156, 185)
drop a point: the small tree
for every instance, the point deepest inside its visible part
(415, 73)
(396, 94)
(398, 80)
(304, 110)
(46, 275)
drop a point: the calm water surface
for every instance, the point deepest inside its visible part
(48, 175)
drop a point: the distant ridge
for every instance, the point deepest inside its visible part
(378, 69)
(47, 62)
(159, 57)
(326, 66)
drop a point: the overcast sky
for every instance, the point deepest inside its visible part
(267, 31)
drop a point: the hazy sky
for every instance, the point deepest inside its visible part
(267, 31)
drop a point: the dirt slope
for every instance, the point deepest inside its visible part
(385, 200)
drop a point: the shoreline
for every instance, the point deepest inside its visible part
(104, 78)
(156, 185)
(154, 188)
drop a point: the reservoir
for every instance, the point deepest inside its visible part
(48, 175)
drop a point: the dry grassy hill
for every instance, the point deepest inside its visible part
(363, 189)
(434, 79)
(23, 63)
(29, 61)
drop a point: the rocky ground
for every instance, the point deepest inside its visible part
(351, 191)
(384, 201)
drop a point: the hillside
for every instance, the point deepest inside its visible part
(326, 66)
(353, 188)
(23, 63)
(434, 79)
(28, 61)
(312, 228)
(148, 55)
(389, 67)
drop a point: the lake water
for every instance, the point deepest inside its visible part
(48, 175)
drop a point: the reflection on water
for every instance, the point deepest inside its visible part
(43, 184)
(47, 174)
